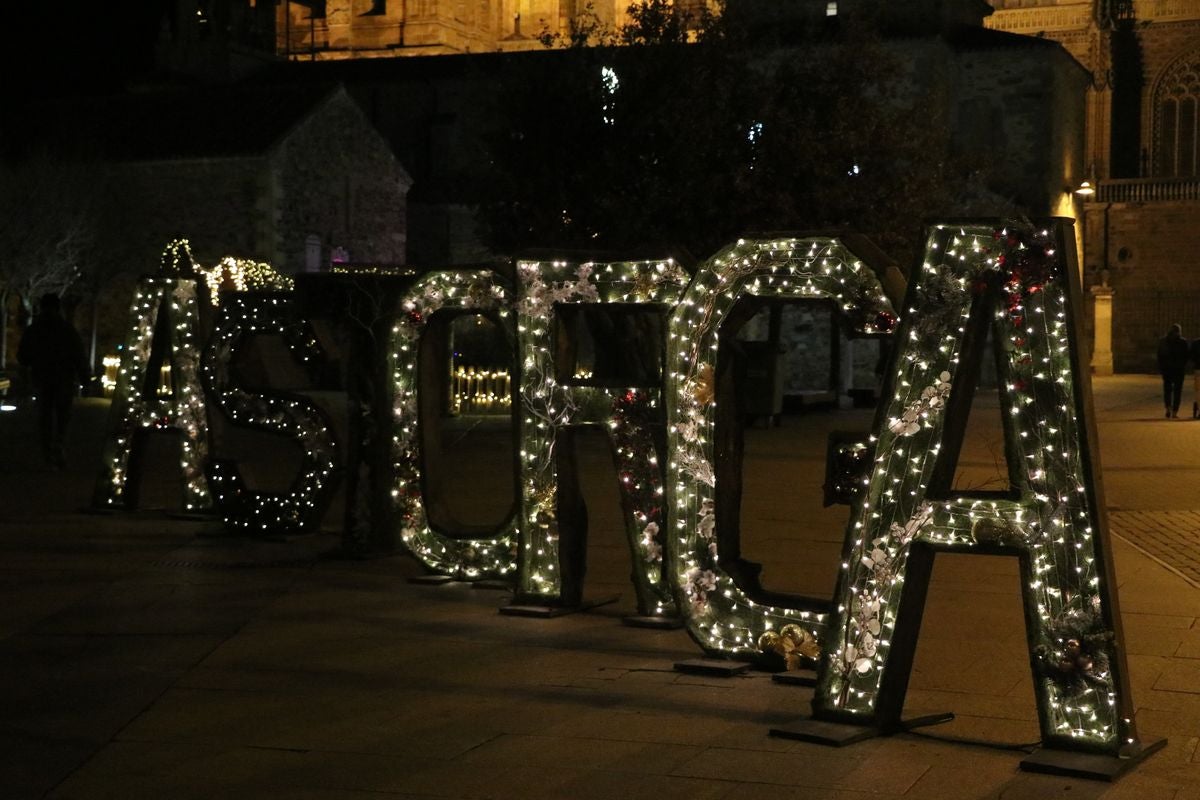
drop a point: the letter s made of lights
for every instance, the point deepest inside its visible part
(300, 508)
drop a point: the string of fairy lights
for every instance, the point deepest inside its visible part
(173, 292)
(184, 409)
(479, 292)
(244, 275)
(671, 526)
(719, 615)
(1052, 519)
(299, 509)
(548, 405)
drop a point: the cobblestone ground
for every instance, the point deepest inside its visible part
(1170, 537)
(147, 656)
(1151, 469)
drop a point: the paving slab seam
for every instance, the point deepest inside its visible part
(1122, 527)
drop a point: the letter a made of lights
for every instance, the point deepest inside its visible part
(1021, 282)
(299, 509)
(480, 292)
(548, 405)
(719, 615)
(136, 405)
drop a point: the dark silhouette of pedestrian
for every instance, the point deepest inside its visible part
(1195, 351)
(1173, 355)
(53, 352)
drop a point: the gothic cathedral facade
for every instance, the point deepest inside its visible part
(332, 29)
(1141, 217)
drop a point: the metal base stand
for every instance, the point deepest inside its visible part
(840, 734)
(546, 612)
(441, 580)
(431, 580)
(666, 622)
(806, 678)
(714, 667)
(1094, 766)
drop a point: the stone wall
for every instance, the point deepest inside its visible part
(1024, 109)
(1161, 44)
(429, 27)
(1144, 249)
(1152, 251)
(335, 178)
(1149, 247)
(332, 176)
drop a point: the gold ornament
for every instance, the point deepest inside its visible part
(703, 390)
(645, 284)
(987, 530)
(799, 648)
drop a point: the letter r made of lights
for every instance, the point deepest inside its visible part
(163, 308)
(1020, 282)
(553, 526)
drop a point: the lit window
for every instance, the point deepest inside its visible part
(831, 8)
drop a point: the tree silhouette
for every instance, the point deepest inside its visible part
(49, 209)
(754, 126)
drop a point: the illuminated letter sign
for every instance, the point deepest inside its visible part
(1019, 283)
(165, 306)
(243, 315)
(551, 563)
(720, 616)
(490, 557)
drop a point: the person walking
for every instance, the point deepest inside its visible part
(1173, 355)
(53, 352)
(1195, 352)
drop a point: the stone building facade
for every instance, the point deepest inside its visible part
(335, 29)
(1141, 222)
(281, 174)
(312, 30)
(278, 174)
(199, 33)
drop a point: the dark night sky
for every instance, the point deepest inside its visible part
(77, 46)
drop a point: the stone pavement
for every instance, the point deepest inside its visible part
(145, 656)
(1171, 538)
